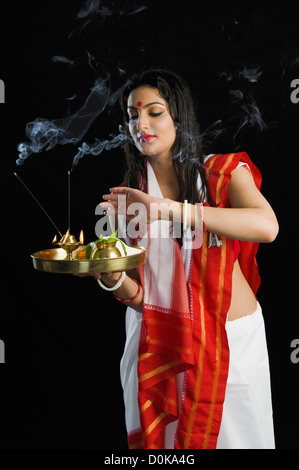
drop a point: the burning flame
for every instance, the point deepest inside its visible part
(81, 238)
(65, 237)
(69, 239)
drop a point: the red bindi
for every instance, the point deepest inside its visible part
(139, 103)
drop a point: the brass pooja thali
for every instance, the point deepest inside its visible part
(54, 260)
(73, 257)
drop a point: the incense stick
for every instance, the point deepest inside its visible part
(32, 195)
(69, 200)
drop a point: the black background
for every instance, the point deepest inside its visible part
(64, 336)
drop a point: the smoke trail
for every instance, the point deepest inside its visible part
(100, 145)
(246, 112)
(289, 63)
(44, 134)
(138, 10)
(249, 114)
(214, 131)
(61, 59)
(189, 145)
(94, 7)
(252, 75)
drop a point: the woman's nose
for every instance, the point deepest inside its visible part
(142, 122)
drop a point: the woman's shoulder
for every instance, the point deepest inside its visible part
(234, 157)
(222, 165)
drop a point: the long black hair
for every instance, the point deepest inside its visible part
(187, 149)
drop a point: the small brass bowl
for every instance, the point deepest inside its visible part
(53, 261)
(106, 249)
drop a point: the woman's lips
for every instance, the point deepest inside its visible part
(146, 137)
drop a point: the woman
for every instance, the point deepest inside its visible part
(195, 368)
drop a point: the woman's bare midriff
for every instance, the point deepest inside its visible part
(243, 300)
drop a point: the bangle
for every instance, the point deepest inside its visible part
(185, 213)
(200, 209)
(117, 285)
(132, 298)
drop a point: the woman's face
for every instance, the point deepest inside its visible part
(150, 122)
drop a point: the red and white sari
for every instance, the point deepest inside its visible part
(175, 364)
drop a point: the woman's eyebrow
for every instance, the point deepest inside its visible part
(147, 105)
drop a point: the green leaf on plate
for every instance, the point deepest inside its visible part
(89, 249)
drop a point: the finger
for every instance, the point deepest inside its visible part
(108, 205)
(110, 197)
(96, 275)
(120, 190)
(107, 274)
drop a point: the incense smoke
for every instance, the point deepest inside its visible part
(100, 145)
(96, 7)
(61, 59)
(214, 131)
(249, 114)
(252, 75)
(44, 134)
(243, 109)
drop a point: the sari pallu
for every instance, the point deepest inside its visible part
(189, 334)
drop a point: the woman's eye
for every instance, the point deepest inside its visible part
(155, 114)
(134, 117)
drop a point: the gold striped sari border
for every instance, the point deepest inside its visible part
(219, 182)
(202, 349)
(173, 347)
(218, 346)
(155, 423)
(164, 397)
(158, 370)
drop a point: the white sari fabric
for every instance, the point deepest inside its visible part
(247, 421)
(158, 293)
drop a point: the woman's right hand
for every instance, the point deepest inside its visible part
(109, 278)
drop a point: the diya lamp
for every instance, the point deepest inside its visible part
(69, 243)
